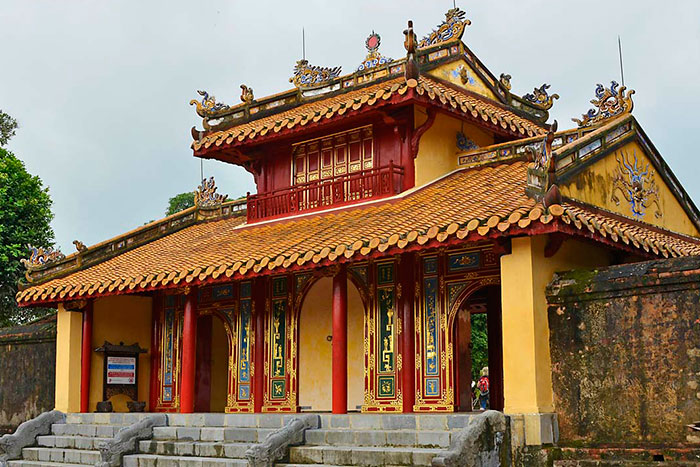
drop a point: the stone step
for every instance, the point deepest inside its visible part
(71, 456)
(365, 421)
(621, 463)
(115, 418)
(76, 442)
(238, 434)
(348, 437)
(26, 463)
(87, 429)
(195, 448)
(361, 455)
(151, 460)
(245, 420)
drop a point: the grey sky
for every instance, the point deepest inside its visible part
(101, 88)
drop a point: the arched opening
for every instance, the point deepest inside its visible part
(211, 375)
(315, 348)
(477, 334)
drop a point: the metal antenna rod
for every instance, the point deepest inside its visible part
(622, 70)
(303, 44)
(201, 169)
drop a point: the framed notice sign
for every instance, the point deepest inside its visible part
(121, 370)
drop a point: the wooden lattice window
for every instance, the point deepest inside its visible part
(333, 155)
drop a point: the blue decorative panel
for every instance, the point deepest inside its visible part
(278, 389)
(167, 394)
(385, 274)
(222, 292)
(430, 265)
(463, 261)
(244, 392)
(432, 387)
(244, 341)
(246, 289)
(431, 327)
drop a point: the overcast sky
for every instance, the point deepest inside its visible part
(101, 88)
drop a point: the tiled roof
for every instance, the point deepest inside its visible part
(470, 204)
(470, 104)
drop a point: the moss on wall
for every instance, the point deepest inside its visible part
(625, 347)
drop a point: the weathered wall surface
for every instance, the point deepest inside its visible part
(27, 362)
(625, 346)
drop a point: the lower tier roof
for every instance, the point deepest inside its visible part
(467, 205)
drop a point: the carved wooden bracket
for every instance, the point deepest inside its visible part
(418, 132)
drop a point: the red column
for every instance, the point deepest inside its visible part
(408, 359)
(155, 352)
(189, 349)
(85, 358)
(260, 295)
(340, 341)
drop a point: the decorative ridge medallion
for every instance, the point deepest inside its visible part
(450, 29)
(637, 185)
(307, 76)
(41, 257)
(373, 58)
(206, 195)
(541, 97)
(609, 102)
(208, 104)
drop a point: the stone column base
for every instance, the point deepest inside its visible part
(533, 429)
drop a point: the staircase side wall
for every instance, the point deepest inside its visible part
(625, 347)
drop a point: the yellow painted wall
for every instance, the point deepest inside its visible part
(595, 186)
(437, 152)
(316, 353)
(124, 318)
(525, 274)
(450, 72)
(219, 366)
(68, 344)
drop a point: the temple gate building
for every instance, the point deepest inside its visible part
(393, 203)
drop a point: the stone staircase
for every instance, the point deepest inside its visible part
(373, 440)
(204, 440)
(208, 440)
(75, 442)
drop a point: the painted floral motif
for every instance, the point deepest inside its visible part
(609, 102)
(464, 143)
(450, 29)
(636, 184)
(306, 75)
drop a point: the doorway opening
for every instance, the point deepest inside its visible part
(315, 344)
(211, 373)
(479, 351)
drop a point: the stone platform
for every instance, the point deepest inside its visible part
(213, 439)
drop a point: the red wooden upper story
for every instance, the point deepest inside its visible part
(336, 140)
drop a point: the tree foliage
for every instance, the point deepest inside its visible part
(180, 202)
(480, 344)
(25, 217)
(8, 125)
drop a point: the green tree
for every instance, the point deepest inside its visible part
(180, 202)
(480, 344)
(8, 125)
(25, 217)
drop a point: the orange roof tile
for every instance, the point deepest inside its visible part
(469, 204)
(469, 104)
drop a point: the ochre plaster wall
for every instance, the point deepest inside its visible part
(451, 72)
(315, 351)
(219, 366)
(594, 185)
(68, 342)
(437, 152)
(118, 319)
(525, 273)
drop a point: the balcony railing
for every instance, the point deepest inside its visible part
(327, 193)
